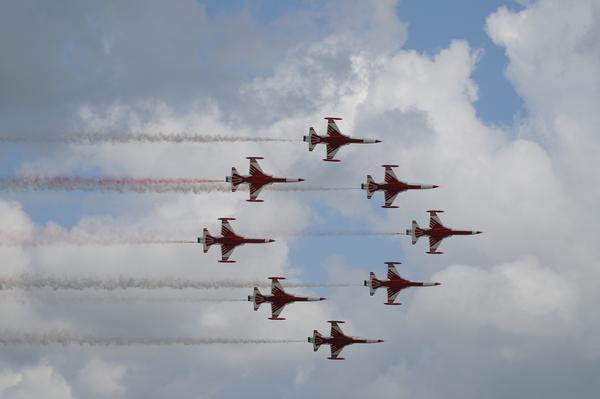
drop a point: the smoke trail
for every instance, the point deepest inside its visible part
(115, 138)
(136, 185)
(110, 184)
(32, 282)
(347, 233)
(62, 337)
(324, 233)
(53, 298)
(301, 189)
(59, 238)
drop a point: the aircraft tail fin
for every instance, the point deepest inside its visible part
(257, 298)
(372, 283)
(316, 340)
(312, 139)
(370, 186)
(415, 232)
(235, 179)
(206, 240)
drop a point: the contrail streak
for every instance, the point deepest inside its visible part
(62, 337)
(113, 138)
(135, 185)
(32, 282)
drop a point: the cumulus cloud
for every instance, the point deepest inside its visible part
(517, 300)
(39, 381)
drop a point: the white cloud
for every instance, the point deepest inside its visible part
(34, 382)
(518, 299)
(102, 379)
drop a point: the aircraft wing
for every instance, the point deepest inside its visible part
(335, 351)
(226, 229)
(226, 252)
(390, 176)
(392, 293)
(390, 196)
(336, 331)
(434, 243)
(393, 273)
(434, 220)
(332, 149)
(254, 191)
(276, 309)
(255, 168)
(333, 129)
(276, 288)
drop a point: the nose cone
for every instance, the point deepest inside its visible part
(478, 232)
(322, 298)
(270, 240)
(378, 141)
(379, 340)
(435, 186)
(437, 283)
(300, 180)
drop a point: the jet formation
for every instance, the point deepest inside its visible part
(278, 298)
(391, 187)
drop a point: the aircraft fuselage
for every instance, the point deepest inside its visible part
(235, 240)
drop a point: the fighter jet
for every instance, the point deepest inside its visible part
(436, 232)
(334, 139)
(256, 180)
(391, 186)
(229, 240)
(395, 283)
(337, 341)
(278, 298)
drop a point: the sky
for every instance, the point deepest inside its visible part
(495, 101)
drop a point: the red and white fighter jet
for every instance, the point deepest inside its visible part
(338, 340)
(391, 186)
(278, 298)
(256, 180)
(334, 139)
(228, 240)
(394, 284)
(436, 232)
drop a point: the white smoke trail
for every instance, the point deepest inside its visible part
(54, 298)
(32, 282)
(89, 138)
(111, 184)
(62, 337)
(136, 185)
